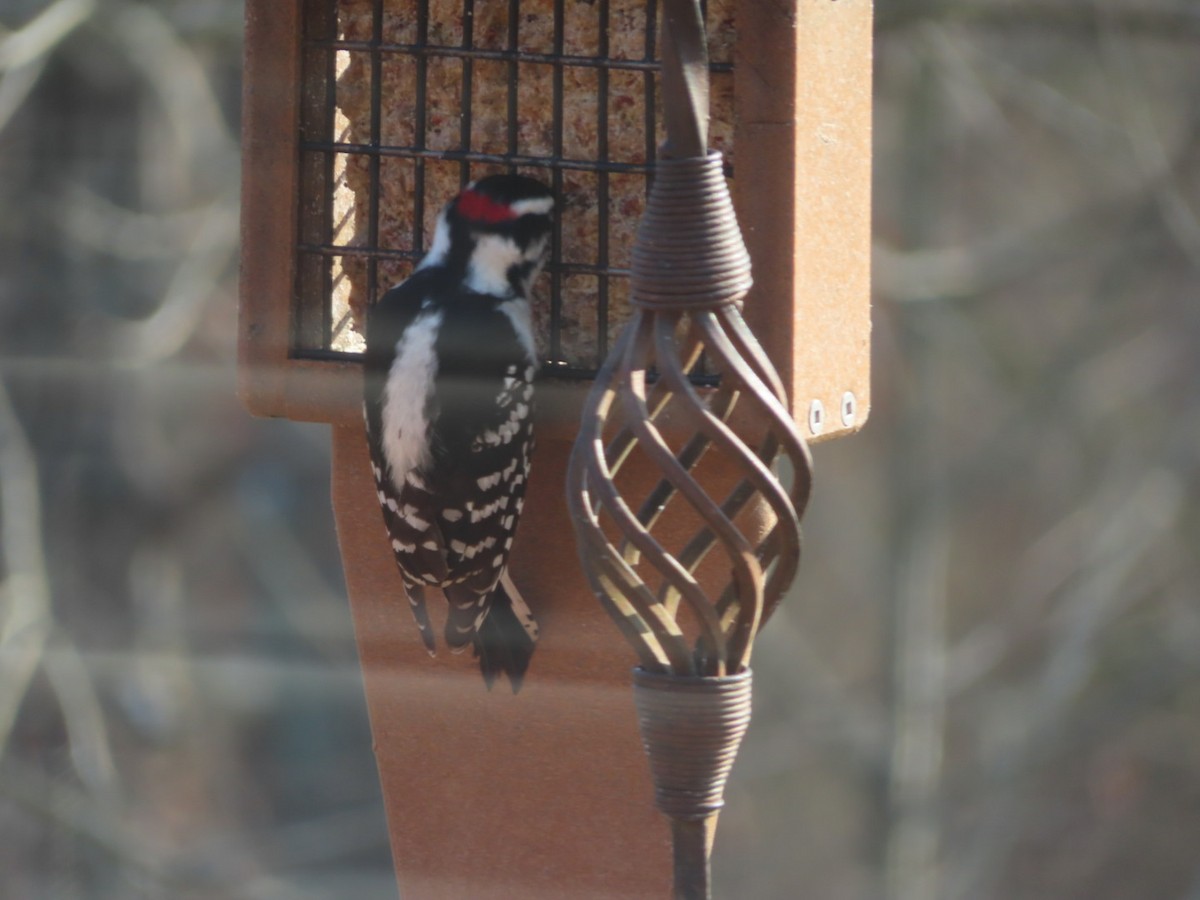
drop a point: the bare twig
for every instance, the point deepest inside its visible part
(1136, 523)
(1168, 21)
(23, 53)
(1150, 155)
(25, 621)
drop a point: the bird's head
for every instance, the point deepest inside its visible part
(498, 231)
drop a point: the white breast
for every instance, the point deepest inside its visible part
(409, 383)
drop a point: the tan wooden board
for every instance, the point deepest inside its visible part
(808, 223)
(545, 794)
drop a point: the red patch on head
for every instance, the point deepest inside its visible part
(477, 207)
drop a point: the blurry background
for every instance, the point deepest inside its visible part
(988, 684)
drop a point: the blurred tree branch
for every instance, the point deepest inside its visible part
(1150, 156)
(1170, 21)
(1149, 169)
(25, 590)
(24, 51)
(1135, 524)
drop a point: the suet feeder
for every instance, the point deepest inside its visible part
(361, 117)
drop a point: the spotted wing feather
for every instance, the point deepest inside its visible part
(489, 493)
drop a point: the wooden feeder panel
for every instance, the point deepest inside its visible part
(362, 117)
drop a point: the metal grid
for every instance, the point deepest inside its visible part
(404, 101)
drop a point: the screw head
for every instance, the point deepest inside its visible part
(849, 409)
(816, 417)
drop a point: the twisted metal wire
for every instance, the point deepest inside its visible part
(690, 273)
(728, 617)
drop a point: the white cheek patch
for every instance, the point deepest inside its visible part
(491, 259)
(409, 384)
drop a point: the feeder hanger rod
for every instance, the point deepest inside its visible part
(685, 80)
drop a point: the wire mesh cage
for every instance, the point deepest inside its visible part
(363, 117)
(404, 101)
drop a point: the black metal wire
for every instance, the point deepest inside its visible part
(556, 279)
(373, 160)
(315, 242)
(475, 156)
(312, 309)
(421, 99)
(602, 186)
(467, 70)
(514, 71)
(526, 56)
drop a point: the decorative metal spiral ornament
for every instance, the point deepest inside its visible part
(690, 272)
(690, 606)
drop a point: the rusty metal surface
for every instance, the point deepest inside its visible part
(691, 730)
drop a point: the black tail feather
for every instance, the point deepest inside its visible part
(416, 602)
(505, 640)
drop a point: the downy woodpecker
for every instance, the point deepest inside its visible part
(448, 390)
